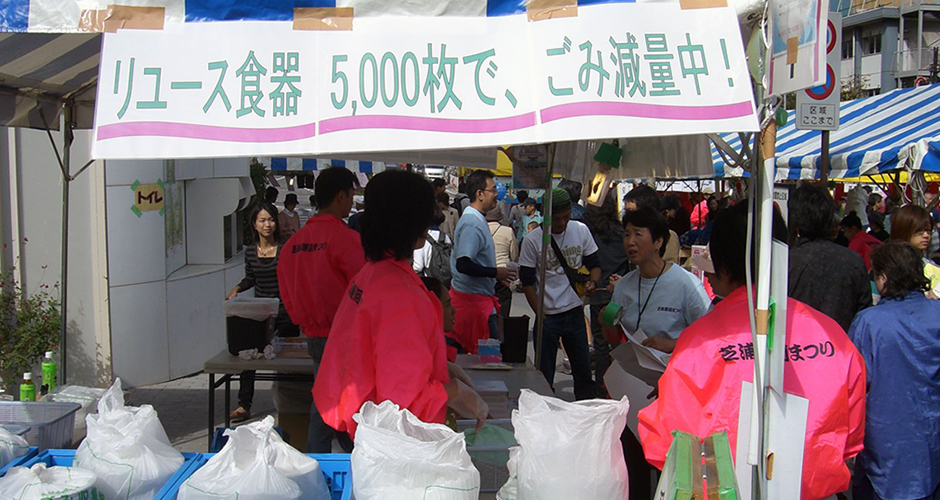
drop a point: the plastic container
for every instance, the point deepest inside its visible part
(19, 430)
(243, 334)
(64, 458)
(335, 467)
(19, 460)
(291, 347)
(489, 460)
(249, 323)
(489, 351)
(51, 424)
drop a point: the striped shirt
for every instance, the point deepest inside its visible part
(261, 274)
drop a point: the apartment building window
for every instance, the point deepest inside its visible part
(848, 48)
(871, 44)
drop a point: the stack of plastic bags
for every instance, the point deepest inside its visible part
(566, 450)
(256, 464)
(127, 449)
(41, 483)
(398, 457)
(11, 446)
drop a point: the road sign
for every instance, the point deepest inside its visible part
(817, 108)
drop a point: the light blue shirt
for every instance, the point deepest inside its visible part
(676, 301)
(472, 239)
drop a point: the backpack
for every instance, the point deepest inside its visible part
(457, 204)
(439, 266)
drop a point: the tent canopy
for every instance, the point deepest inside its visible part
(896, 130)
(39, 72)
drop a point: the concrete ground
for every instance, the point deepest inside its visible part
(182, 404)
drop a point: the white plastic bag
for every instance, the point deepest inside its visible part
(11, 446)
(398, 457)
(256, 464)
(258, 309)
(567, 450)
(39, 482)
(127, 449)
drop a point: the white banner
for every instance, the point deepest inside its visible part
(420, 83)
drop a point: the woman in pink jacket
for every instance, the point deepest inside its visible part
(387, 339)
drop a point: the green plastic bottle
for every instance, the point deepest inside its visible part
(49, 372)
(27, 388)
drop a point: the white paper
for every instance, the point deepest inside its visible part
(649, 358)
(788, 414)
(626, 356)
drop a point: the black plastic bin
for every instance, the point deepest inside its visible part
(244, 333)
(249, 323)
(515, 339)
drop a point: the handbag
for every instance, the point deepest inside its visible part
(576, 278)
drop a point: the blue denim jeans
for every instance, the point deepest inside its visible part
(570, 328)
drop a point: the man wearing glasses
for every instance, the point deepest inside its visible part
(473, 265)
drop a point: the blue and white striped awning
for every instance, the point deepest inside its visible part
(896, 130)
(64, 16)
(281, 165)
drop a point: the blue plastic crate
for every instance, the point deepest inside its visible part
(20, 460)
(335, 467)
(64, 458)
(338, 473)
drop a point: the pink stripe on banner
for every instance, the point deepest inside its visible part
(206, 132)
(450, 125)
(659, 111)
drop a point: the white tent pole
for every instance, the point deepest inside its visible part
(765, 238)
(546, 239)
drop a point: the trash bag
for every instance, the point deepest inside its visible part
(256, 464)
(40, 482)
(127, 449)
(11, 446)
(398, 457)
(258, 309)
(567, 450)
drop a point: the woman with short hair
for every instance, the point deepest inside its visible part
(658, 297)
(900, 342)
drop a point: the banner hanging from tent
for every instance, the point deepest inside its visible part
(418, 83)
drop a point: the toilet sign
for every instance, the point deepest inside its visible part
(147, 197)
(817, 108)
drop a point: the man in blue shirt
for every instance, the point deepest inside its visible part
(473, 265)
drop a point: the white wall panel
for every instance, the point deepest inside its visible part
(195, 322)
(138, 334)
(125, 172)
(136, 247)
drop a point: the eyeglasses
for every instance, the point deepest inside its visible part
(492, 190)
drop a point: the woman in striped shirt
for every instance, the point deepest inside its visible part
(261, 274)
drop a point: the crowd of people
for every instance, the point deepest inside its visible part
(387, 302)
